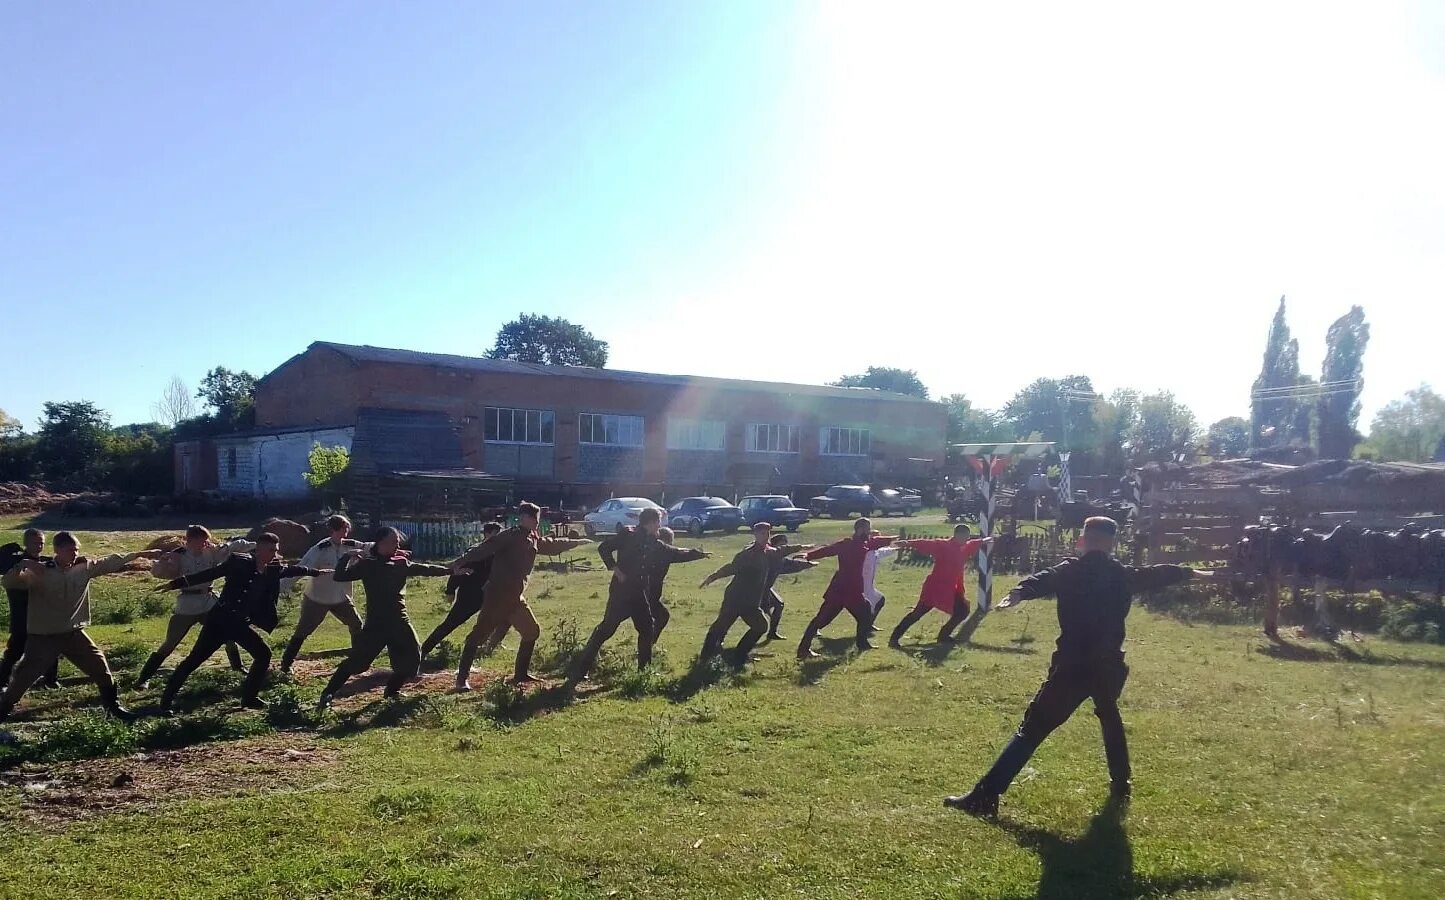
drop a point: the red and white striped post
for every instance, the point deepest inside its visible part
(989, 462)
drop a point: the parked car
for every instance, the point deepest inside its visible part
(775, 509)
(699, 514)
(612, 514)
(843, 500)
(898, 501)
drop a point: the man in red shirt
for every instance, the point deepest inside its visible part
(943, 588)
(845, 591)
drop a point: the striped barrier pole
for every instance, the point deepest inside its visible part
(1066, 484)
(989, 462)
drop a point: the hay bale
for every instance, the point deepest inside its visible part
(295, 537)
(166, 542)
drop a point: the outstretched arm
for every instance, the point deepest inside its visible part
(795, 564)
(826, 550)
(349, 568)
(1149, 578)
(426, 570)
(725, 572)
(485, 550)
(608, 551)
(1039, 584)
(204, 576)
(551, 546)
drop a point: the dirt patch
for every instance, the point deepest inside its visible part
(57, 795)
(367, 687)
(167, 542)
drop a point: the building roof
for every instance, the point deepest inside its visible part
(511, 367)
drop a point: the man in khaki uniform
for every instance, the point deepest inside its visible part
(200, 552)
(58, 615)
(513, 553)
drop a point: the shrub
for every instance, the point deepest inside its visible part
(153, 605)
(558, 652)
(84, 736)
(504, 700)
(201, 728)
(1414, 619)
(288, 708)
(117, 611)
(446, 655)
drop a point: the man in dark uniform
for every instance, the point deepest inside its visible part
(11, 555)
(465, 588)
(1094, 592)
(248, 598)
(634, 556)
(750, 571)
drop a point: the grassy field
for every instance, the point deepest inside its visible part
(1312, 772)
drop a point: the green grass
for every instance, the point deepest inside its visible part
(1313, 775)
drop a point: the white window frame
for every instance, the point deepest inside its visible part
(623, 426)
(780, 438)
(840, 441)
(546, 420)
(697, 434)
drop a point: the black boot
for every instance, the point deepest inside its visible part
(805, 646)
(975, 803)
(6, 664)
(110, 700)
(865, 630)
(908, 622)
(522, 674)
(149, 670)
(744, 647)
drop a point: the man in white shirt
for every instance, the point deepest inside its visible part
(324, 594)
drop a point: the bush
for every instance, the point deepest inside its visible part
(639, 683)
(446, 655)
(558, 652)
(152, 605)
(289, 708)
(503, 699)
(1412, 619)
(84, 736)
(201, 728)
(117, 611)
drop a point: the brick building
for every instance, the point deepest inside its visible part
(575, 435)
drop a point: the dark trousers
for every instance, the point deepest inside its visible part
(394, 635)
(773, 609)
(624, 601)
(1067, 686)
(219, 628)
(463, 608)
(176, 630)
(660, 614)
(955, 619)
(15, 646)
(750, 613)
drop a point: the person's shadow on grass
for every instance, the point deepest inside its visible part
(1100, 863)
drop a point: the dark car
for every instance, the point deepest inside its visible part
(843, 500)
(775, 509)
(699, 514)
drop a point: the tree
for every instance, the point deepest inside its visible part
(969, 424)
(1165, 428)
(1337, 412)
(1273, 419)
(230, 395)
(1228, 438)
(9, 425)
(1410, 429)
(326, 469)
(884, 378)
(175, 405)
(1114, 421)
(1040, 409)
(549, 341)
(71, 443)
(138, 459)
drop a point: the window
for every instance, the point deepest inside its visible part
(695, 434)
(619, 431)
(843, 441)
(517, 426)
(231, 463)
(772, 438)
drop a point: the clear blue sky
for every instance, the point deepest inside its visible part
(766, 189)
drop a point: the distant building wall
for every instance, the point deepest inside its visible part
(272, 466)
